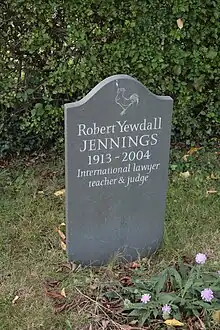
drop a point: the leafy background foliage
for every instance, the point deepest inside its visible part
(55, 51)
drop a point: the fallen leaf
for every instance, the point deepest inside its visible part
(54, 294)
(15, 299)
(212, 176)
(52, 283)
(61, 234)
(174, 323)
(126, 280)
(208, 192)
(63, 293)
(22, 75)
(216, 316)
(185, 157)
(63, 245)
(60, 192)
(185, 175)
(192, 150)
(179, 23)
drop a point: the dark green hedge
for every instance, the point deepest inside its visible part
(55, 51)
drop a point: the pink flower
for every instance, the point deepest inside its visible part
(146, 298)
(207, 295)
(201, 258)
(166, 309)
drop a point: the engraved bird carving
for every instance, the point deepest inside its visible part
(124, 102)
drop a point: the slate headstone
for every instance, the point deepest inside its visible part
(117, 141)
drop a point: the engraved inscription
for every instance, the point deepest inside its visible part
(120, 153)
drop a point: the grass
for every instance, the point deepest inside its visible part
(31, 254)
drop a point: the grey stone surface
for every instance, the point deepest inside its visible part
(117, 142)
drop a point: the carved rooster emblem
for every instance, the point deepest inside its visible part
(124, 102)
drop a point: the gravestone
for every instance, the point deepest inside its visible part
(117, 142)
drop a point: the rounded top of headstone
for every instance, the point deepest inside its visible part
(109, 80)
